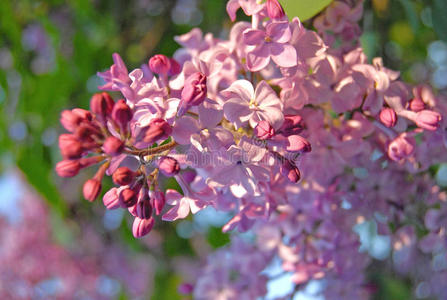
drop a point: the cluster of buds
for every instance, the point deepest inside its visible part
(104, 135)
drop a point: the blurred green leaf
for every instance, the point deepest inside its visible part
(440, 18)
(304, 9)
(216, 238)
(412, 14)
(165, 287)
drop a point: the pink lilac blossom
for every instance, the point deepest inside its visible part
(292, 134)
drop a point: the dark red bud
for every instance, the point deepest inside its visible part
(70, 146)
(144, 209)
(113, 146)
(160, 64)
(157, 129)
(70, 120)
(68, 168)
(122, 114)
(91, 189)
(290, 170)
(101, 104)
(123, 176)
(128, 198)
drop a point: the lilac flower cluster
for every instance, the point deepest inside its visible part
(239, 122)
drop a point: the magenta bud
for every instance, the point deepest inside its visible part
(113, 146)
(141, 227)
(293, 124)
(185, 288)
(428, 119)
(290, 170)
(128, 198)
(175, 67)
(401, 147)
(264, 130)
(168, 166)
(160, 64)
(417, 105)
(388, 117)
(101, 104)
(68, 168)
(111, 199)
(158, 201)
(297, 143)
(274, 9)
(70, 146)
(157, 129)
(193, 93)
(143, 208)
(91, 189)
(123, 176)
(122, 114)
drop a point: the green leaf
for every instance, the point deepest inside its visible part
(304, 9)
(439, 18)
(216, 238)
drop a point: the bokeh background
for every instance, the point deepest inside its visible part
(52, 242)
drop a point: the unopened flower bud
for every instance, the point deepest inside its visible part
(275, 10)
(70, 120)
(193, 93)
(143, 208)
(160, 64)
(68, 168)
(417, 105)
(168, 166)
(428, 119)
(400, 148)
(293, 124)
(91, 189)
(388, 117)
(113, 146)
(88, 161)
(84, 114)
(86, 133)
(123, 176)
(141, 227)
(157, 129)
(290, 170)
(111, 199)
(158, 201)
(122, 114)
(185, 288)
(70, 146)
(101, 104)
(128, 198)
(264, 130)
(297, 143)
(175, 67)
